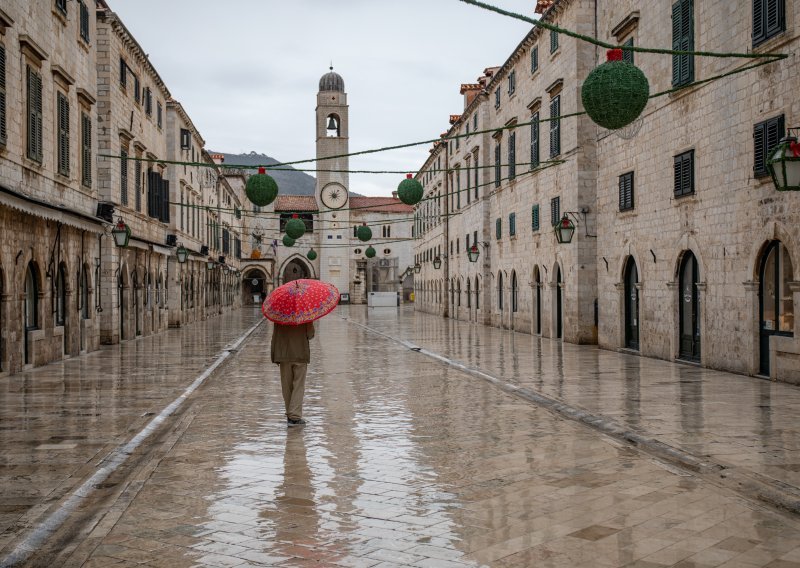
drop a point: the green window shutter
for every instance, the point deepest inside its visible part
(766, 136)
(34, 84)
(769, 19)
(123, 178)
(626, 191)
(535, 217)
(684, 173)
(555, 126)
(535, 140)
(553, 41)
(555, 211)
(682, 40)
(3, 128)
(512, 224)
(497, 165)
(534, 59)
(628, 55)
(62, 105)
(498, 228)
(86, 151)
(512, 155)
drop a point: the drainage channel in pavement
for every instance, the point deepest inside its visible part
(748, 484)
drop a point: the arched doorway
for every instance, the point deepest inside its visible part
(689, 308)
(31, 308)
(294, 270)
(61, 305)
(136, 289)
(254, 286)
(537, 316)
(500, 294)
(775, 302)
(558, 307)
(631, 305)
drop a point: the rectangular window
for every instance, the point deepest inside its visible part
(62, 126)
(627, 55)
(159, 114)
(512, 155)
(535, 140)
(476, 176)
(555, 126)
(769, 19)
(137, 89)
(555, 211)
(3, 128)
(123, 177)
(84, 23)
(497, 165)
(226, 241)
(86, 150)
(535, 217)
(34, 115)
(61, 5)
(475, 237)
(468, 171)
(766, 136)
(512, 83)
(123, 73)
(498, 228)
(148, 101)
(458, 188)
(512, 224)
(682, 40)
(684, 173)
(626, 191)
(186, 139)
(553, 41)
(475, 122)
(137, 184)
(534, 59)
(497, 98)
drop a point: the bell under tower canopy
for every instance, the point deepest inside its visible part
(331, 81)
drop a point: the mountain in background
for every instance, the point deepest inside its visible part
(290, 181)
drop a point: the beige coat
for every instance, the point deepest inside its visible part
(290, 343)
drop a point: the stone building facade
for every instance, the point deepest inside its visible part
(683, 250)
(75, 85)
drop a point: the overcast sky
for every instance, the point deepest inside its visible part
(247, 71)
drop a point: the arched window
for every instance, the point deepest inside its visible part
(631, 305)
(776, 302)
(689, 308)
(332, 126)
(500, 291)
(514, 291)
(61, 295)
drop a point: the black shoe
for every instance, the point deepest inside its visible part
(298, 422)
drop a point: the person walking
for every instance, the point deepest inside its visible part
(291, 351)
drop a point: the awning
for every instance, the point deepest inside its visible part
(50, 212)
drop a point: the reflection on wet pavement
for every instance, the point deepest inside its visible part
(406, 462)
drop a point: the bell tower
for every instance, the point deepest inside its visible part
(332, 190)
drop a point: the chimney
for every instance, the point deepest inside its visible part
(470, 91)
(218, 158)
(543, 5)
(394, 195)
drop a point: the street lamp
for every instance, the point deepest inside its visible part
(784, 164)
(210, 263)
(182, 253)
(121, 233)
(418, 268)
(564, 230)
(474, 252)
(437, 263)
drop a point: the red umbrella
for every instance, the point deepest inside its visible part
(300, 301)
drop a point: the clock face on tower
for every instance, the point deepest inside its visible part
(334, 196)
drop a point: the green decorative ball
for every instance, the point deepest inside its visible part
(370, 252)
(261, 189)
(410, 191)
(312, 255)
(615, 94)
(295, 228)
(288, 241)
(364, 233)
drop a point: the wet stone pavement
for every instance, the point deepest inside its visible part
(407, 461)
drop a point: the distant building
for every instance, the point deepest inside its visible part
(332, 217)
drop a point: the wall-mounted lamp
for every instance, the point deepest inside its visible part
(121, 233)
(783, 163)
